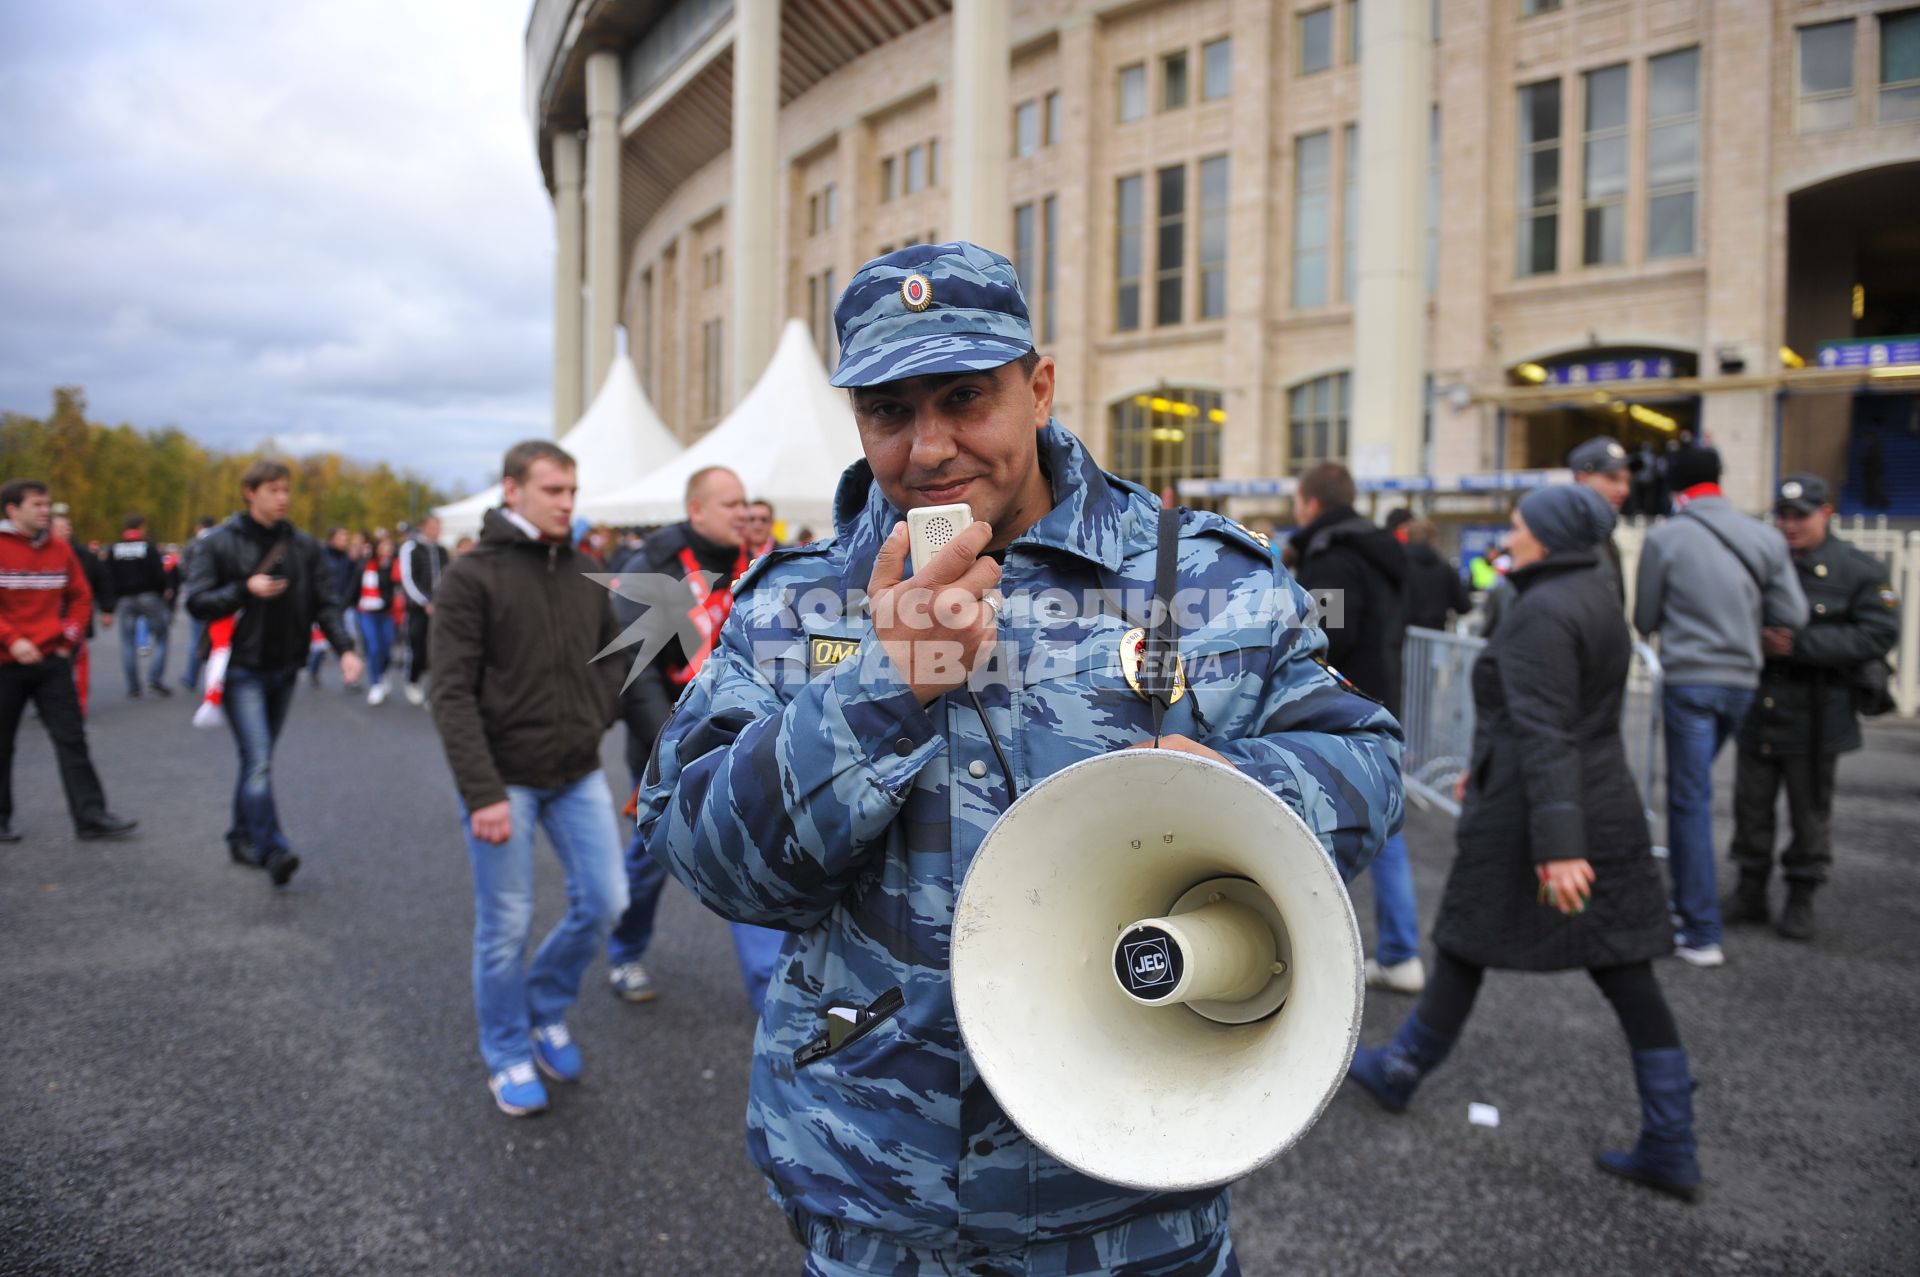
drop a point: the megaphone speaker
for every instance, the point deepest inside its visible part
(1156, 970)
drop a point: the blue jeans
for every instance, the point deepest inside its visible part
(256, 703)
(1698, 719)
(511, 995)
(376, 635)
(646, 879)
(133, 609)
(758, 951)
(190, 667)
(1395, 914)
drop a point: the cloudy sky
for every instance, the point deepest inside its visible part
(322, 223)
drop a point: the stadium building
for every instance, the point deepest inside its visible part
(1434, 238)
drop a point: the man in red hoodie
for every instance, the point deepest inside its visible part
(44, 608)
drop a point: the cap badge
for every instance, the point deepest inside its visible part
(916, 290)
(1615, 451)
(1791, 490)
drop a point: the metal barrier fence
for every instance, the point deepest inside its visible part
(1437, 717)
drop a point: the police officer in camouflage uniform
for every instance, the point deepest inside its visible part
(831, 772)
(1802, 717)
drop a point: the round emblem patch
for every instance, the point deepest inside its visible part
(916, 290)
(1791, 490)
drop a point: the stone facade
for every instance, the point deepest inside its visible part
(1727, 299)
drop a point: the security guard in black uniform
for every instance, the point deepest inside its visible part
(1803, 717)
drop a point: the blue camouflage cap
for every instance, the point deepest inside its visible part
(930, 309)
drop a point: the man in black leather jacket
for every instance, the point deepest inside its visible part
(273, 580)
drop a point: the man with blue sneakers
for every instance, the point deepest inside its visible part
(836, 764)
(521, 708)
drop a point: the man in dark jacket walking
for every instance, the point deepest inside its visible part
(521, 707)
(197, 629)
(422, 561)
(1357, 573)
(139, 575)
(272, 579)
(1435, 591)
(1803, 717)
(710, 551)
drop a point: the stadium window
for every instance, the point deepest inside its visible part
(1026, 128)
(1216, 70)
(1133, 92)
(1825, 54)
(1312, 187)
(1538, 229)
(1213, 237)
(1317, 422)
(1899, 66)
(1170, 250)
(1316, 40)
(1173, 81)
(1673, 152)
(1603, 167)
(1129, 234)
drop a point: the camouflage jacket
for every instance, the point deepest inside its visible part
(801, 785)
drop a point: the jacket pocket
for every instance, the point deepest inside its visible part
(860, 1038)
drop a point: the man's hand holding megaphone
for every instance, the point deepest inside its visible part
(938, 625)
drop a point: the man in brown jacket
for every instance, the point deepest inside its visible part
(521, 709)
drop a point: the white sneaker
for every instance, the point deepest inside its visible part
(1400, 977)
(631, 981)
(1706, 955)
(376, 694)
(416, 694)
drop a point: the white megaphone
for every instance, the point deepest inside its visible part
(1156, 970)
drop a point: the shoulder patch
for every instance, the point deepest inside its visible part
(1199, 521)
(785, 554)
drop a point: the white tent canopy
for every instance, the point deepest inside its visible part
(618, 439)
(789, 440)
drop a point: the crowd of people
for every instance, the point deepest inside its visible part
(821, 780)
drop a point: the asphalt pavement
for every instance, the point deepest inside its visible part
(201, 1074)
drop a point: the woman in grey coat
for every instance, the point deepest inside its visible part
(1554, 869)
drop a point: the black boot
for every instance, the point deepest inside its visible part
(1666, 1156)
(1390, 1073)
(103, 825)
(1746, 903)
(1796, 920)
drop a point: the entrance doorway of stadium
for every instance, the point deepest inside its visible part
(1620, 391)
(1853, 301)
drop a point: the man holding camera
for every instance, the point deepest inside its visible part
(832, 772)
(272, 579)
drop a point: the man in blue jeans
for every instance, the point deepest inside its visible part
(1709, 579)
(261, 570)
(521, 707)
(1357, 574)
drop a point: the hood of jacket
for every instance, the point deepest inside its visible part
(498, 532)
(12, 529)
(1340, 525)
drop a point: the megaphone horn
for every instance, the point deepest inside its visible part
(1156, 970)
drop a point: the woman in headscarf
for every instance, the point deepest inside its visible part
(1554, 869)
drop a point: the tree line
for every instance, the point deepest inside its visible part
(106, 472)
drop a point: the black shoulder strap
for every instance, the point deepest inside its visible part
(1162, 658)
(1758, 583)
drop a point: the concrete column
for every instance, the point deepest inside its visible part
(981, 98)
(1743, 235)
(1077, 271)
(568, 374)
(752, 210)
(603, 213)
(1389, 313)
(1256, 410)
